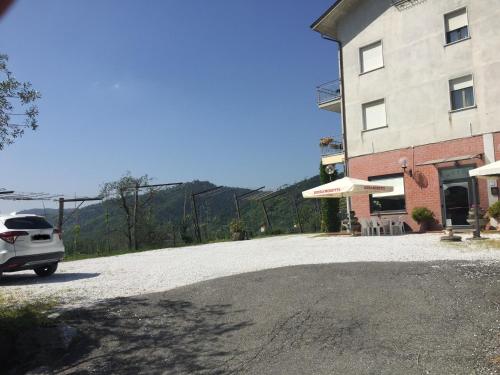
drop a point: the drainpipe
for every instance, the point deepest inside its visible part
(344, 126)
(342, 100)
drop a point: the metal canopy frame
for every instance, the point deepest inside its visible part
(195, 209)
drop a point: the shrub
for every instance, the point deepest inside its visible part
(494, 210)
(236, 226)
(422, 215)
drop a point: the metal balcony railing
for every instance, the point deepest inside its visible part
(330, 146)
(328, 92)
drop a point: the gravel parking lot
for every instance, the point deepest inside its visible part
(88, 281)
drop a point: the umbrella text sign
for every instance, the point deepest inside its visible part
(346, 187)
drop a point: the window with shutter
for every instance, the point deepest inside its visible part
(462, 93)
(457, 25)
(371, 57)
(374, 115)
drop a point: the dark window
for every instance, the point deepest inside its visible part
(28, 222)
(462, 98)
(458, 34)
(385, 202)
(395, 203)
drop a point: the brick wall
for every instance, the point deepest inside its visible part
(423, 188)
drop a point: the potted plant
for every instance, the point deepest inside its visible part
(471, 219)
(423, 216)
(494, 214)
(237, 230)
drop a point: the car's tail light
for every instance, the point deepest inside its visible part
(12, 236)
(58, 232)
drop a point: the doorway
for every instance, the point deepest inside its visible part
(456, 192)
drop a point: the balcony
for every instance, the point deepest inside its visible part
(329, 96)
(332, 151)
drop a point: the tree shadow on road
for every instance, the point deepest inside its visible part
(151, 335)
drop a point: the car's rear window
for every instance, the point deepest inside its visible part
(32, 222)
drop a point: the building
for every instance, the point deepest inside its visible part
(419, 97)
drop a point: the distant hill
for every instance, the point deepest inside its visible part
(99, 226)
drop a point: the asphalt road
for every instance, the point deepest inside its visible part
(355, 318)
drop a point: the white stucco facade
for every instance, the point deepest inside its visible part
(417, 68)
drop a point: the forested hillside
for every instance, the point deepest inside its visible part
(168, 219)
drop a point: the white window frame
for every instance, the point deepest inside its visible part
(364, 105)
(445, 25)
(473, 93)
(361, 60)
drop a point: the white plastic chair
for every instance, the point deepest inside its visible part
(366, 227)
(386, 225)
(399, 225)
(376, 225)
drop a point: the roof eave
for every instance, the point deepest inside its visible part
(316, 25)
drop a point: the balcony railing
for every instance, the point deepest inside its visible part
(328, 92)
(330, 146)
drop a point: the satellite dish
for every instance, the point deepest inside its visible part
(330, 169)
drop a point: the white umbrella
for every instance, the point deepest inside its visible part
(489, 171)
(346, 187)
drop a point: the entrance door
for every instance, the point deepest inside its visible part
(456, 201)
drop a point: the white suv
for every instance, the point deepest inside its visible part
(29, 242)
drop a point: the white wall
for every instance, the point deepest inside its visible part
(415, 79)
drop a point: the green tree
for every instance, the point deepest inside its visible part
(17, 109)
(329, 206)
(126, 190)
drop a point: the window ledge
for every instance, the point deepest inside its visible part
(389, 213)
(462, 109)
(456, 41)
(373, 70)
(370, 130)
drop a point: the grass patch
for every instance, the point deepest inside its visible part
(17, 316)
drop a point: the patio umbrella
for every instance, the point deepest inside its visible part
(491, 172)
(346, 187)
(488, 171)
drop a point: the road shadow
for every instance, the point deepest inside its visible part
(13, 279)
(130, 335)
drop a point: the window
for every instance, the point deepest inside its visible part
(27, 222)
(371, 57)
(374, 115)
(393, 201)
(457, 26)
(462, 93)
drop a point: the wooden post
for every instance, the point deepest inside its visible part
(266, 215)
(236, 203)
(61, 214)
(196, 224)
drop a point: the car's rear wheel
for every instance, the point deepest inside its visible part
(47, 270)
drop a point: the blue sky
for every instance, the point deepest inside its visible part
(181, 90)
